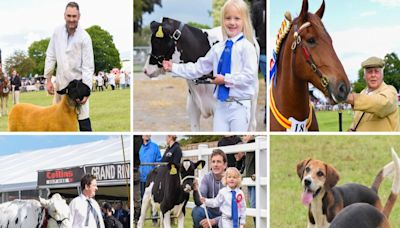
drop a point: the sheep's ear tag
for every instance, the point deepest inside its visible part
(173, 170)
(159, 33)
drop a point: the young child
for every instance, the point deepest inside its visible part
(230, 200)
(234, 64)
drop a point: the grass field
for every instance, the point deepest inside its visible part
(109, 110)
(329, 120)
(357, 158)
(189, 222)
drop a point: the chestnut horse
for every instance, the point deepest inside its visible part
(306, 55)
(4, 92)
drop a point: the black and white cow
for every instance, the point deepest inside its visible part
(183, 43)
(167, 189)
(35, 214)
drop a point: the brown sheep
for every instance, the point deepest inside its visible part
(57, 117)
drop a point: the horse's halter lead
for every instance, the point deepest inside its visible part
(174, 37)
(307, 55)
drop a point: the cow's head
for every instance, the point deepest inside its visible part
(163, 38)
(58, 212)
(186, 171)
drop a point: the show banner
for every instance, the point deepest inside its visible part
(60, 176)
(106, 172)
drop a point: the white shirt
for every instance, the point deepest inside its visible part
(243, 78)
(73, 55)
(79, 208)
(111, 79)
(224, 200)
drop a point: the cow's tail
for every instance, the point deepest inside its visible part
(395, 186)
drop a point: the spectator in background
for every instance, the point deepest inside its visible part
(109, 220)
(111, 79)
(234, 160)
(121, 214)
(15, 84)
(250, 170)
(138, 141)
(100, 81)
(148, 153)
(173, 153)
(122, 79)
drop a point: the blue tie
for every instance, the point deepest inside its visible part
(224, 66)
(235, 218)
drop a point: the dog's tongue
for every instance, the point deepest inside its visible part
(306, 197)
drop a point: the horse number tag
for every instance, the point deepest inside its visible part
(297, 126)
(159, 33)
(173, 170)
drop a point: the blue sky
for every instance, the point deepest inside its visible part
(185, 11)
(11, 144)
(25, 21)
(359, 28)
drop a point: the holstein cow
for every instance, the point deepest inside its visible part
(183, 43)
(168, 188)
(35, 214)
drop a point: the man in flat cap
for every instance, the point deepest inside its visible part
(375, 107)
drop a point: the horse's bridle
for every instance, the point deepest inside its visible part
(306, 53)
(174, 38)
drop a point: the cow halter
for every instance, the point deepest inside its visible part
(58, 221)
(175, 36)
(306, 53)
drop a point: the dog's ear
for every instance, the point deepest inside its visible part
(332, 177)
(301, 166)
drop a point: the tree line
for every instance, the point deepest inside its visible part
(106, 55)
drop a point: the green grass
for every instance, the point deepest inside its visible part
(357, 158)
(329, 120)
(188, 219)
(109, 110)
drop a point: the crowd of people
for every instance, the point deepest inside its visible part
(115, 79)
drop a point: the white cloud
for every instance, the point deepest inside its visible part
(357, 44)
(368, 13)
(390, 3)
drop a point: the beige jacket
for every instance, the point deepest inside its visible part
(380, 107)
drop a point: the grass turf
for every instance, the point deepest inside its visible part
(357, 158)
(109, 110)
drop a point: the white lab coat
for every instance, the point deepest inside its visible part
(74, 58)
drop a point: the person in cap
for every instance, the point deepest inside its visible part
(375, 107)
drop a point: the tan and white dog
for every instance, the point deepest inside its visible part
(325, 200)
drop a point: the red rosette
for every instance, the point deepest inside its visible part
(239, 198)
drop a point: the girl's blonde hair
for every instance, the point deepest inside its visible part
(243, 9)
(234, 172)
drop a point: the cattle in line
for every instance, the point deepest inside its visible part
(168, 188)
(183, 43)
(32, 213)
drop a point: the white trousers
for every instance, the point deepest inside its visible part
(16, 97)
(232, 116)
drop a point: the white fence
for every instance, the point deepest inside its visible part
(260, 148)
(140, 55)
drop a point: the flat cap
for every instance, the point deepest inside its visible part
(373, 62)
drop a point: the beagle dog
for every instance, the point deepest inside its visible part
(325, 200)
(366, 216)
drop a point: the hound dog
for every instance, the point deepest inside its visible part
(57, 117)
(364, 215)
(325, 200)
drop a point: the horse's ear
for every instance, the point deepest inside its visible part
(321, 10)
(304, 11)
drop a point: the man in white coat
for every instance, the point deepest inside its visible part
(71, 48)
(85, 211)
